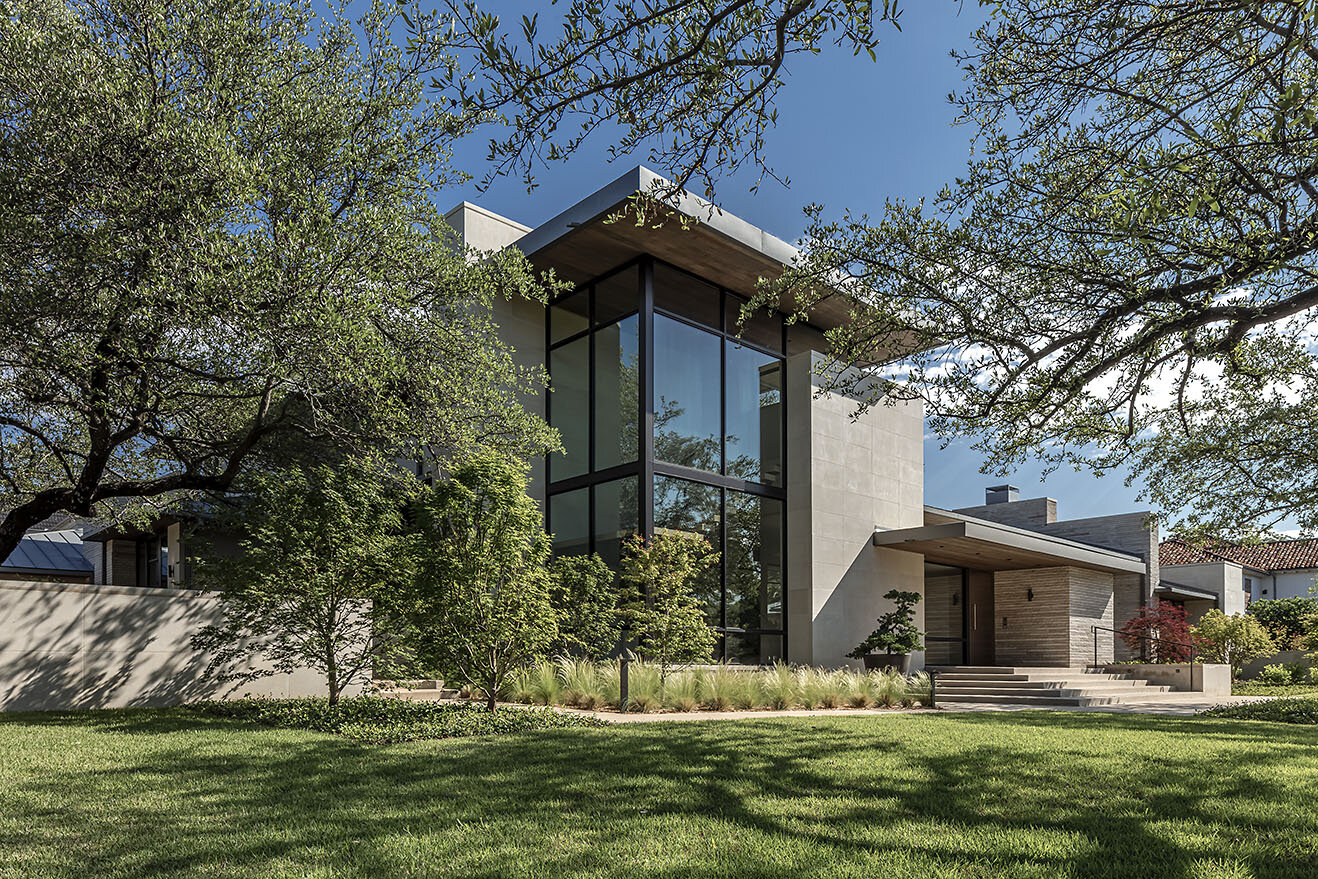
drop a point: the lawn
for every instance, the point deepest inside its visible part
(177, 794)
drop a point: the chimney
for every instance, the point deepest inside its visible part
(1002, 494)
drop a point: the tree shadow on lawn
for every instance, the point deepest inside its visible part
(959, 793)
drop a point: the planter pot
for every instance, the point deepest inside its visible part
(899, 661)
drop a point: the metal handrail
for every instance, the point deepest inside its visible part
(1194, 648)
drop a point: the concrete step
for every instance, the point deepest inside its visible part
(1009, 680)
(995, 699)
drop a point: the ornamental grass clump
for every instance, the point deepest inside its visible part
(779, 689)
(580, 683)
(682, 692)
(645, 687)
(890, 688)
(919, 689)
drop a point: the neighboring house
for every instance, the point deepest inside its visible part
(50, 557)
(1268, 569)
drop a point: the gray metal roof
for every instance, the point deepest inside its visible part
(49, 551)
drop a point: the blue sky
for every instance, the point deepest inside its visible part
(851, 134)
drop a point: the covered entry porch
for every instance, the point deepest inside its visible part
(997, 595)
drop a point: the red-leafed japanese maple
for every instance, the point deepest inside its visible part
(1167, 624)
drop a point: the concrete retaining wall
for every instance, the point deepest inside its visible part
(1209, 678)
(65, 645)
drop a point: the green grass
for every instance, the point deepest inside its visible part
(388, 721)
(1252, 688)
(181, 794)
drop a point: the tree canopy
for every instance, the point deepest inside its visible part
(218, 246)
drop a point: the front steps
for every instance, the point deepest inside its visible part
(1043, 687)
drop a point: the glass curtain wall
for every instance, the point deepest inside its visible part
(668, 395)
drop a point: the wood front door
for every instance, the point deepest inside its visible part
(979, 618)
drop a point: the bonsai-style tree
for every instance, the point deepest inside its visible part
(582, 594)
(1235, 639)
(896, 632)
(310, 587)
(665, 616)
(480, 598)
(1168, 624)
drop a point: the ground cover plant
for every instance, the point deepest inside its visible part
(1289, 710)
(180, 794)
(581, 684)
(1257, 688)
(382, 721)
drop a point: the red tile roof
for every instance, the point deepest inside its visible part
(1272, 555)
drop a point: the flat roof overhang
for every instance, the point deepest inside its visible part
(1179, 592)
(580, 244)
(990, 547)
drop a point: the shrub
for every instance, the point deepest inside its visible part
(1236, 639)
(1288, 710)
(379, 721)
(1298, 672)
(1286, 619)
(1274, 674)
(582, 595)
(666, 617)
(1166, 623)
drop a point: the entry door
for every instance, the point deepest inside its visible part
(979, 617)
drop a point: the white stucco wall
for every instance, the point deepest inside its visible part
(1224, 579)
(65, 646)
(1288, 584)
(845, 478)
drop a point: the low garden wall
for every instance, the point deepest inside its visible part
(73, 645)
(1284, 658)
(1211, 678)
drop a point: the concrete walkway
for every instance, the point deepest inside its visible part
(1173, 704)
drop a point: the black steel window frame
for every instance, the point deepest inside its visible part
(645, 467)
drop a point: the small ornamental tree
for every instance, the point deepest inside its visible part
(1236, 639)
(1167, 624)
(664, 614)
(582, 594)
(311, 587)
(896, 632)
(480, 599)
(1286, 619)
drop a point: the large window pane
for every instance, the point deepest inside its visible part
(617, 375)
(755, 421)
(687, 423)
(618, 294)
(569, 407)
(569, 317)
(569, 520)
(752, 649)
(616, 517)
(755, 562)
(687, 296)
(680, 505)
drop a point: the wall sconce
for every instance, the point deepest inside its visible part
(1029, 594)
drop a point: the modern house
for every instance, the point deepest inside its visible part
(676, 414)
